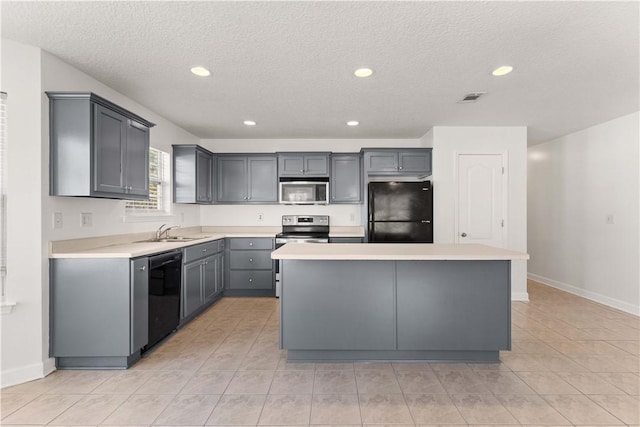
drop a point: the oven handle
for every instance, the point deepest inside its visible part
(283, 241)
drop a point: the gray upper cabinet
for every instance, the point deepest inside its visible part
(97, 149)
(247, 179)
(192, 174)
(346, 178)
(410, 161)
(303, 164)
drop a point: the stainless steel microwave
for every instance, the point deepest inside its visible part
(304, 191)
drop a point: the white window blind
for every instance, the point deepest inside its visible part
(159, 201)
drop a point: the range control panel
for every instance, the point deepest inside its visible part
(322, 220)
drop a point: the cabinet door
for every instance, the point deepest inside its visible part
(204, 181)
(192, 282)
(291, 165)
(263, 179)
(209, 277)
(414, 161)
(346, 177)
(136, 164)
(139, 303)
(316, 165)
(219, 272)
(110, 141)
(381, 161)
(232, 179)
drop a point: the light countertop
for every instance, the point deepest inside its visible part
(394, 251)
(133, 245)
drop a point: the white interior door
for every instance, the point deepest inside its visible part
(481, 199)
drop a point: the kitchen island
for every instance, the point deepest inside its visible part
(444, 302)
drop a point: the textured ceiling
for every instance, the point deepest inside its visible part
(289, 65)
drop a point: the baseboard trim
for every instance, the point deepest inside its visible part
(519, 296)
(27, 373)
(593, 296)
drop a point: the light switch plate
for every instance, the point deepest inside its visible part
(57, 220)
(86, 219)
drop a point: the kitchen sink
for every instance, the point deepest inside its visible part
(171, 239)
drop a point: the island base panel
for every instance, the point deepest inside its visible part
(109, 362)
(398, 355)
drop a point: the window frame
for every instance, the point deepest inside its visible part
(135, 210)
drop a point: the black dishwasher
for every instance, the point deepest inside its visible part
(165, 277)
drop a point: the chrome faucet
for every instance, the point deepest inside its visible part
(164, 231)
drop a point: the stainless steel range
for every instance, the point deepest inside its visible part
(301, 229)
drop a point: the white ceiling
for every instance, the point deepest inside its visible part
(289, 65)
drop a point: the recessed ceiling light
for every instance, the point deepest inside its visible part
(501, 71)
(363, 72)
(249, 123)
(353, 123)
(200, 71)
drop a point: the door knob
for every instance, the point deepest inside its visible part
(464, 234)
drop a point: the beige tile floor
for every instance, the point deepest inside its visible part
(573, 362)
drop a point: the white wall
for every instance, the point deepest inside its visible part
(24, 332)
(27, 72)
(340, 215)
(574, 183)
(447, 141)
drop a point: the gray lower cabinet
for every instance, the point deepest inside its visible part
(192, 174)
(303, 164)
(250, 267)
(99, 311)
(202, 276)
(346, 178)
(409, 161)
(246, 179)
(432, 309)
(345, 239)
(97, 149)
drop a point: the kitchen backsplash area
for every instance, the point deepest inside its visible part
(271, 215)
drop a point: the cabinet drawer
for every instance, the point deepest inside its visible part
(250, 244)
(192, 253)
(250, 260)
(242, 279)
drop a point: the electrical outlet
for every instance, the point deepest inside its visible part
(260, 217)
(609, 219)
(57, 220)
(87, 219)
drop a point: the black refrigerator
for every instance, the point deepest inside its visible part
(400, 212)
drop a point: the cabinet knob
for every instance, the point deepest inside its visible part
(400, 168)
(301, 170)
(206, 262)
(250, 243)
(464, 235)
(250, 280)
(143, 268)
(250, 259)
(204, 250)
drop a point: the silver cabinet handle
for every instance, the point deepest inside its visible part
(464, 235)
(206, 262)
(425, 221)
(250, 259)
(250, 280)
(301, 170)
(143, 268)
(400, 167)
(250, 243)
(204, 250)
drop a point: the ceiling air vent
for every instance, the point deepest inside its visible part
(471, 97)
